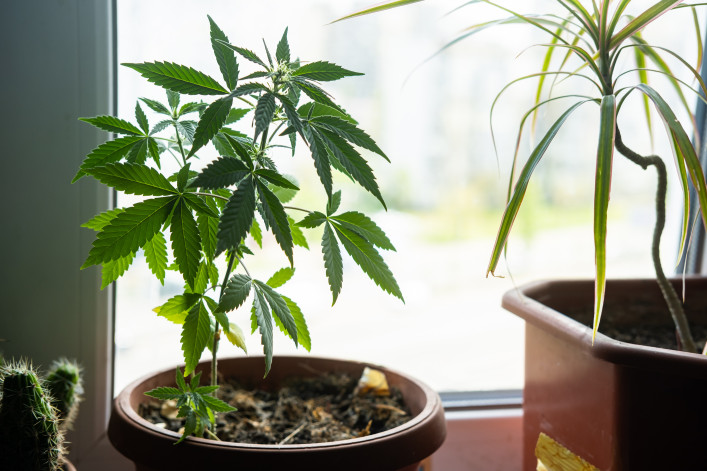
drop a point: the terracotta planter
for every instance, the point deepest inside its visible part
(617, 405)
(68, 466)
(401, 448)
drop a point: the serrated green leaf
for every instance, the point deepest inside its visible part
(135, 179)
(210, 123)
(247, 54)
(192, 108)
(256, 233)
(130, 230)
(323, 71)
(186, 243)
(161, 126)
(201, 281)
(240, 145)
(314, 109)
(156, 255)
(312, 220)
(314, 92)
(333, 204)
(370, 261)
(263, 319)
(236, 114)
(221, 173)
(237, 216)
(178, 78)
(208, 227)
(141, 118)
(276, 218)
(303, 337)
(106, 153)
(113, 124)
(196, 331)
(138, 152)
(182, 177)
(235, 293)
(348, 131)
(282, 53)
(217, 405)
(293, 118)
(321, 159)
(172, 98)
(298, 237)
(224, 56)
(111, 271)
(198, 204)
(164, 393)
(101, 220)
(285, 195)
(365, 227)
(333, 263)
(156, 106)
(177, 307)
(154, 150)
(264, 112)
(355, 165)
(275, 178)
(280, 277)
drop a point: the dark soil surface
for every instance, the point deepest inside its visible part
(644, 321)
(313, 410)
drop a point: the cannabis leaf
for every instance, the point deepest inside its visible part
(196, 331)
(178, 78)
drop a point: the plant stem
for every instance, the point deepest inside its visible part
(671, 297)
(179, 142)
(214, 361)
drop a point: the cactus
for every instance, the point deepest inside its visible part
(63, 383)
(30, 438)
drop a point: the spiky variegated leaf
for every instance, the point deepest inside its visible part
(332, 262)
(235, 293)
(156, 255)
(186, 243)
(111, 271)
(196, 331)
(370, 261)
(135, 179)
(129, 230)
(276, 217)
(221, 173)
(323, 71)
(113, 124)
(178, 78)
(106, 153)
(224, 56)
(237, 216)
(210, 123)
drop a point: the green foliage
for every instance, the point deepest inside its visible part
(194, 403)
(216, 216)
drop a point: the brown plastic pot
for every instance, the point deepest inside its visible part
(152, 448)
(617, 405)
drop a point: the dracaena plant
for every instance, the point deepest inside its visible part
(586, 43)
(206, 219)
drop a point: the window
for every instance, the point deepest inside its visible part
(445, 187)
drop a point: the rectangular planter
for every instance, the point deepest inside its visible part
(617, 405)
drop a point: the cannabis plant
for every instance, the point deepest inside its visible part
(214, 212)
(586, 42)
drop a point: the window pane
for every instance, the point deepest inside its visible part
(445, 187)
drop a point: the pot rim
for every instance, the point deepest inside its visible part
(526, 301)
(431, 407)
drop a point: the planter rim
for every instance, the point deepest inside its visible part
(526, 302)
(428, 414)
